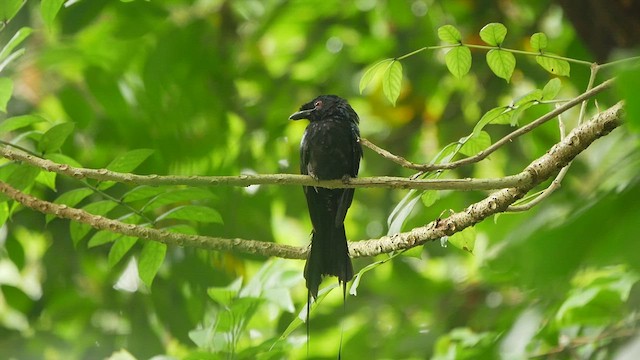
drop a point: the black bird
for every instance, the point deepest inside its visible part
(330, 149)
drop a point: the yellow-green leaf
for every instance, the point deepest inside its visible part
(449, 34)
(538, 41)
(554, 66)
(458, 61)
(493, 33)
(392, 81)
(502, 63)
(372, 72)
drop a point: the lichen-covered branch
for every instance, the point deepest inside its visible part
(538, 171)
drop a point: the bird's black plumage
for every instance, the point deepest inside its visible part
(330, 149)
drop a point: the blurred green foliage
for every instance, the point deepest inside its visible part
(205, 88)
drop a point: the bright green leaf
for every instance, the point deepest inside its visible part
(49, 10)
(173, 196)
(62, 159)
(17, 122)
(120, 248)
(465, 239)
(498, 115)
(102, 237)
(532, 96)
(193, 212)
(502, 63)
(458, 61)
(392, 81)
(551, 89)
(6, 89)
(493, 34)
(476, 143)
(538, 41)
(20, 176)
(53, 139)
(449, 34)
(144, 192)
(429, 197)
(554, 66)
(47, 179)
(130, 160)
(225, 295)
(517, 112)
(19, 37)
(4, 213)
(151, 258)
(372, 72)
(9, 8)
(628, 85)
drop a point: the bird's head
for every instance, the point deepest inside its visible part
(326, 107)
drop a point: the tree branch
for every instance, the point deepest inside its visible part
(495, 146)
(538, 171)
(269, 179)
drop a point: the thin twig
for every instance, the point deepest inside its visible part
(498, 144)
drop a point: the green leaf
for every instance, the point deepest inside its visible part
(465, 239)
(144, 192)
(70, 198)
(532, 96)
(225, 295)
(4, 213)
(6, 89)
(502, 63)
(392, 81)
(102, 237)
(401, 212)
(493, 33)
(53, 139)
(476, 143)
(554, 66)
(372, 72)
(151, 258)
(9, 8)
(429, 197)
(17, 122)
(62, 159)
(628, 85)
(120, 248)
(458, 61)
(173, 196)
(130, 160)
(79, 230)
(498, 115)
(47, 179)
(515, 115)
(20, 176)
(193, 212)
(49, 10)
(449, 34)
(538, 41)
(551, 89)
(19, 37)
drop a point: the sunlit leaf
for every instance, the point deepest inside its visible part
(4, 213)
(538, 41)
(143, 192)
(401, 212)
(9, 8)
(151, 258)
(449, 34)
(193, 213)
(47, 179)
(18, 38)
(17, 122)
(476, 143)
(53, 138)
(493, 33)
(120, 248)
(458, 61)
(554, 66)
(498, 115)
(502, 63)
(49, 10)
(465, 239)
(392, 81)
(102, 237)
(628, 85)
(372, 72)
(532, 96)
(551, 89)
(429, 197)
(224, 295)
(517, 112)
(6, 89)
(130, 160)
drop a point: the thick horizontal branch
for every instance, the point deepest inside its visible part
(269, 179)
(498, 144)
(538, 171)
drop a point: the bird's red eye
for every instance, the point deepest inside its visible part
(317, 104)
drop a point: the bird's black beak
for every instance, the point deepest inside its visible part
(302, 114)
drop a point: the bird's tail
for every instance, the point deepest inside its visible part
(329, 255)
